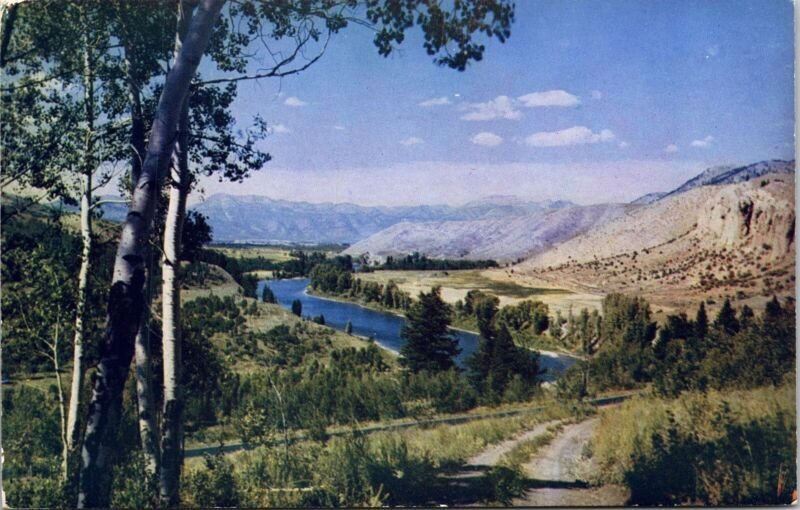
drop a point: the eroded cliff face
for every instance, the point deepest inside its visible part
(751, 216)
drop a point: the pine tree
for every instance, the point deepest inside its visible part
(701, 322)
(726, 319)
(267, 295)
(297, 308)
(503, 360)
(429, 345)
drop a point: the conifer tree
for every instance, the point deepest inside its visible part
(297, 307)
(726, 319)
(701, 322)
(267, 296)
(429, 344)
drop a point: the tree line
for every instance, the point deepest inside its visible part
(418, 262)
(624, 348)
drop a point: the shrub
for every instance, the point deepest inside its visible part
(732, 448)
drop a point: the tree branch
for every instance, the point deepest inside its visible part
(275, 72)
(104, 202)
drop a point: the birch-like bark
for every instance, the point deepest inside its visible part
(72, 431)
(145, 402)
(126, 297)
(78, 370)
(61, 403)
(172, 414)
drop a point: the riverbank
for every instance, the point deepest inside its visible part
(378, 308)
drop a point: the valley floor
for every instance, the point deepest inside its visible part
(500, 282)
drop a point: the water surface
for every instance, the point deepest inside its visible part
(382, 326)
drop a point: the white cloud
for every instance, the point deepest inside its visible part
(294, 101)
(712, 51)
(436, 101)
(411, 140)
(596, 95)
(487, 139)
(549, 98)
(624, 145)
(671, 148)
(501, 107)
(577, 135)
(337, 127)
(280, 129)
(705, 142)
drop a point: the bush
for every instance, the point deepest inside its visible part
(502, 484)
(733, 448)
(212, 486)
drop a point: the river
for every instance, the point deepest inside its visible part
(382, 326)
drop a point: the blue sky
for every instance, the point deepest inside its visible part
(590, 101)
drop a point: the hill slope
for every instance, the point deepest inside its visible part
(711, 241)
(503, 239)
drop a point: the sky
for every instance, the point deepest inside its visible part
(589, 101)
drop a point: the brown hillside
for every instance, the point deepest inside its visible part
(733, 240)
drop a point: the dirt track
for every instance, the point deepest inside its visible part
(558, 473)
(493, 454)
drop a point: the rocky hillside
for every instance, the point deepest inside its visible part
(259, 219)
(732, 174)
(503, 239)
(711, 241)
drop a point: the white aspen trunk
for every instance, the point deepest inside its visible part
(78, 370)
(72, 431)
(65, 451)
(146, 407)
(126, 299)
(172, 413)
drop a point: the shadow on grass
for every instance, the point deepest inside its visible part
(472, 485)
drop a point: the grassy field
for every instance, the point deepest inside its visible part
(274, 253)
(456, 284)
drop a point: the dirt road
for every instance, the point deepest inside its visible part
(558, 473)
(492, 455)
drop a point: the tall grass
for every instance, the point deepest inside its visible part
(718, 448)
(383, 468)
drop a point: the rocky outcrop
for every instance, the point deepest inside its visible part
(751, 215)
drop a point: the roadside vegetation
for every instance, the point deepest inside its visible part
(720, 448)
(718, 401)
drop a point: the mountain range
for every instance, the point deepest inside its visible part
(517, 237)
(503, 227)
(723, 174)
(258, 219)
